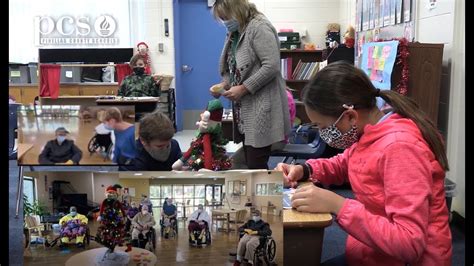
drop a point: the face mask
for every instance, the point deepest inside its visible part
(139, 70)
(169, 202)
(199, 210)
(73, 214)
(111, 196)
(256, 218)
(60, 139)
(231, 25)
(160, 154)
(144, 211)
(106, 126)
(336, 139)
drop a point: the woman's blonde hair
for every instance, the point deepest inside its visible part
(241, 10)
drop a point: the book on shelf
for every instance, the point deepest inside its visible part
(297, 69)
(286, 67)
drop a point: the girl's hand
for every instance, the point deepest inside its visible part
(291, 174)
(314, 199)
(235, 93)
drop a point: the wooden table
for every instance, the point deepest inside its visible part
(225, 212)
(84, 100)
(23, 148)
(142, 104)
(88, 257)
(303, 236)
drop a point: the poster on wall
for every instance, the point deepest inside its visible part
(393, 7)
(365, 15)
(378, 59)
(406, 10)
(386, 13)
(399, 12)
(371, 14)
(376, 13)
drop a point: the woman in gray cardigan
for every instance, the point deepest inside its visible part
(251, 79)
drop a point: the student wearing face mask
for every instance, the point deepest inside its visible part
(142, 223)
(251, 79)
(199, 220)
(252, 230)
(395, 163)
(156, 148)
(73, 227)
(60, 150)
(169, 211)
(124, 149)
(139, 84)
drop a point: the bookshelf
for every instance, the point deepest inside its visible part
(297, 85)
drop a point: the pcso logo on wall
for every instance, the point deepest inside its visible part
(75, 31)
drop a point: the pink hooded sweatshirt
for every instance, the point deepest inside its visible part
(399, 215)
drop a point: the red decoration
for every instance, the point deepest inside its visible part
(402, 59)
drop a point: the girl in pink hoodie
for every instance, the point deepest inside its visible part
(395, 163)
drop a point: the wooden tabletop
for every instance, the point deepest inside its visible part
(295, 219)
(74, 97)
(22, 149)
(130, 100)
(138, 256)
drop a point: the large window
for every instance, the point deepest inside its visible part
(185, 197)
(29, 189)
(269, 189)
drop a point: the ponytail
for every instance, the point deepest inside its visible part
(407, 107)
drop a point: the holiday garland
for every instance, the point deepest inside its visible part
(402, 59)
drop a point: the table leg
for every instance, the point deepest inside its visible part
(228, 222)
(296, 243)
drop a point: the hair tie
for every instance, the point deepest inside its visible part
(377, 93)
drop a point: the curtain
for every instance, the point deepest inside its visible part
(123, 70)
(49, 80)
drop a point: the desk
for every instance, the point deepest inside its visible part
(142, 104)
(300, 231)
(22, 149)
(87, 100)
(138, 256)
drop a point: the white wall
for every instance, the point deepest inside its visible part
(100, 182)
(441, 25)
(347, 11)
(457, 117)
(147, 24)
(310, 15)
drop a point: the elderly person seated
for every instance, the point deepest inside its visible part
(199, 220)
(60, 150)
(142, 224)
(73, 226)
(131, 213)
(252, 230)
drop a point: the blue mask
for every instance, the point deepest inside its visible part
(73, 214)
(231, 25)
(60, 139)
(108, 127)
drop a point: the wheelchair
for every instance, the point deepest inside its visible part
(147, 242)
(169, 227)
(102, 142)
(266, 250)
(198, 241)
(87, 240)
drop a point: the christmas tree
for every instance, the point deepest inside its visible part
(207, 150)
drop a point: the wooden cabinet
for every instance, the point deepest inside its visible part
(29, 94)
(66, 90)
(98, 90)
(424, 82)
(297, 85)
(16, 93)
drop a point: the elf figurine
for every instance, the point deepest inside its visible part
(112, 220)
(207, 150)
(143, 50)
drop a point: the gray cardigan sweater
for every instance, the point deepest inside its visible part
(264, 110)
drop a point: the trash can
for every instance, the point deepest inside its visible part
(450, 191)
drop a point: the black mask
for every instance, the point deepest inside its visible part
(139, 70)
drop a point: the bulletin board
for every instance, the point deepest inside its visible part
(382, 20)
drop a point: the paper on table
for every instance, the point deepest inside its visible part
(287, 195)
